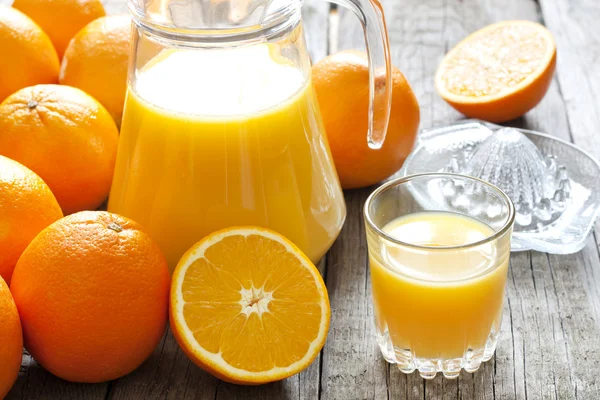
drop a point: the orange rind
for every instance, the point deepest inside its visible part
(499, 72)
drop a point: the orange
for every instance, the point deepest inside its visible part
(61, 19)
(66, 137)
(27, 57)
(11, 340)
(26, 207)
(96, 62)
(342, 84)
(248, 306)
(499, 72)
(92, 290)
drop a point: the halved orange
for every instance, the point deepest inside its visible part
(499, 72)
(248, 306)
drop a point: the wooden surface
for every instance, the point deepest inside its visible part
(549, 347)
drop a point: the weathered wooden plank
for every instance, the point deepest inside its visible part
(167, 374)
(579, 321)
(565, 338)
(538, 354)
(34, 382)
(351, 369)
(531, 311)
(575, 27)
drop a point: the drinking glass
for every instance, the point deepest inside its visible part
(439, 249)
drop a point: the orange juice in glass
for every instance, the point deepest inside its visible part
(439, 247)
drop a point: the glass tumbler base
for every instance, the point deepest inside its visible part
(407, 362)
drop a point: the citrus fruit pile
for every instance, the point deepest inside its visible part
(96, 62)
(66, 134)
(66, 137)
(26, 207)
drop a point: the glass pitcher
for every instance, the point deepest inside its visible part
(221, 126)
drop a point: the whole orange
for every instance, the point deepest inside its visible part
(92, 290)
(28, 57)
(11, 340)
(342, 85)
(96, 62)
(26, 207)
(61, 19)
(66, 137)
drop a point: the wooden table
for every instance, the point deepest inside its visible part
(550, 342)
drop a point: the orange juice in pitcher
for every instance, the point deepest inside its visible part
(221, 126)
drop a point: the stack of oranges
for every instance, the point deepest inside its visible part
(72, 133)
(71, 300)
(71, 280)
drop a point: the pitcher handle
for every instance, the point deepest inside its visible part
(370, 13)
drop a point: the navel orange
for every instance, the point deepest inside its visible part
(66, 137)
(92, 290)
(11, 340)
(61, 19)
(342, 85)
(28, 57)
(96, 62)
(26, 207)
(248, 306)
(499, 72)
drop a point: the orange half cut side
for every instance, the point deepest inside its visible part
(248, 306)
(499, 72)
